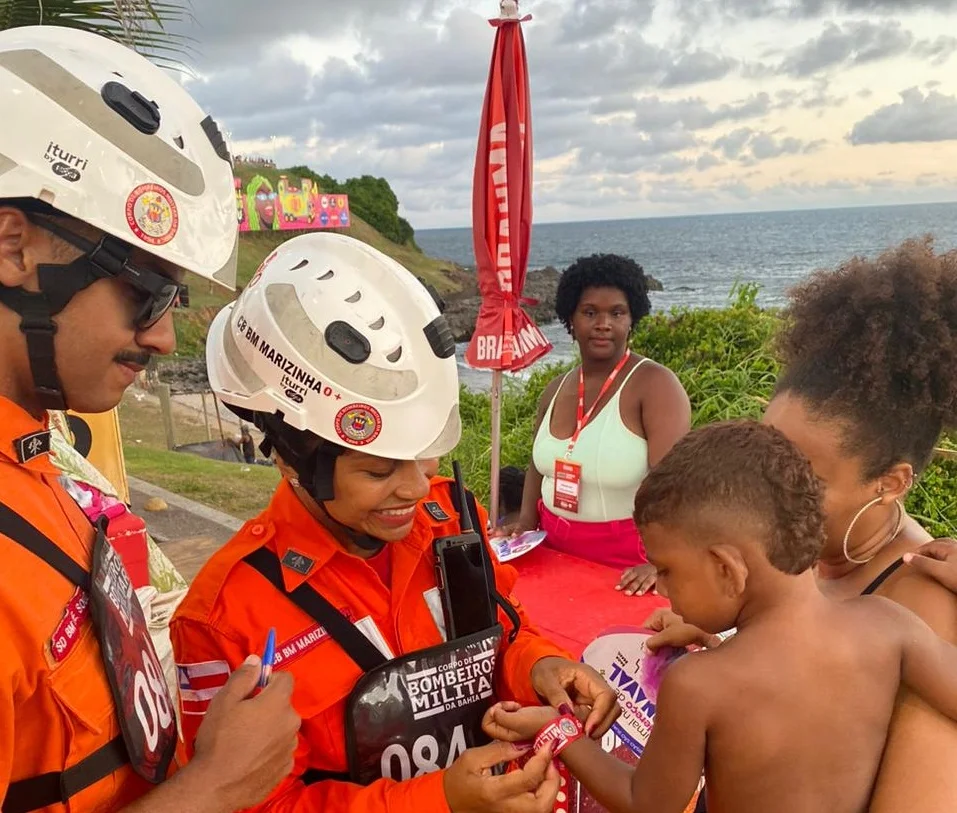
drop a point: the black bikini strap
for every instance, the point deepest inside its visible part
(885, 574)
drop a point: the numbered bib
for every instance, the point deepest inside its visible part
(416, 714)
(143, 703)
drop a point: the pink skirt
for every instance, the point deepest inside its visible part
(616, 543)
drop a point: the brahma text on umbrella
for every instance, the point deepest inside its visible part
(489, 347)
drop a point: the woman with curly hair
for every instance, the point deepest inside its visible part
(602, 425)
(869, 384)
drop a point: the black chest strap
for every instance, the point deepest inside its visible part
(318, 608)
(340, 629)
(19, 530)
(56, 787)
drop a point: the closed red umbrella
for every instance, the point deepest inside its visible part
(505, 338)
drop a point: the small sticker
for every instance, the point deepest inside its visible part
(298, 562)
(514, 546)
(33, 445)
(358, 424)
(151, 214)
(568, 727)
(436, 511)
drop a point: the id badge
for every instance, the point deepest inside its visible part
(568, 481)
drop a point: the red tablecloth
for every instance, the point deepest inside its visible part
(572, 601)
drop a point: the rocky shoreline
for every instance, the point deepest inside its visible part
(188, 375)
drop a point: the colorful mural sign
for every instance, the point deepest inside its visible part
(287, 207)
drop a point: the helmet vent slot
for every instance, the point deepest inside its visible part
(354, 298)
(378, 324)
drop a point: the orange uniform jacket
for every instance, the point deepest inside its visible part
(230, 608)
(52, 714)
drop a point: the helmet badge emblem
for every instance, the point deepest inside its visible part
(358, 424)
(151, 214)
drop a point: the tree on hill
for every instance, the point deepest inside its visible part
(140, 24)
(370, 198)
(326, 183)
(375, 202)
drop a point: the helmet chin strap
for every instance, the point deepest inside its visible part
(363, 541)
(314, 472)
(58, 284)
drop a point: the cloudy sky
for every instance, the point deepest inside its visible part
(640, 107)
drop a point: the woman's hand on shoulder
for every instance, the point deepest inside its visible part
(937, 559)
(927, 586)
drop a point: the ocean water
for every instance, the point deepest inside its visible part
(698, 259)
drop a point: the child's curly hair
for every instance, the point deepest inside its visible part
(739, 474)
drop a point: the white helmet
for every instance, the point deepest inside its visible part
(101, 134)
(343, 342)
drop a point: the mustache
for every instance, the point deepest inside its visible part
(142, 359)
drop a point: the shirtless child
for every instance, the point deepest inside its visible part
(791, 714)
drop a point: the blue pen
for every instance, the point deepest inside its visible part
(269, 658)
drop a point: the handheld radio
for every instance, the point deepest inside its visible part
(462, 574)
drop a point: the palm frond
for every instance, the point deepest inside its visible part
(140, 24)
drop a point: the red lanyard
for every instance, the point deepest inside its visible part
(584, 417)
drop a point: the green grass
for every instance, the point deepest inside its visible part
(224, 486)
(241, 491)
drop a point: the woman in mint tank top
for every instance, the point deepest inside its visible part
(601, 426)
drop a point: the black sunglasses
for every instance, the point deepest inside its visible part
(109, 258)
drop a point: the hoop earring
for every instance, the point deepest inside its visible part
(891, 538)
